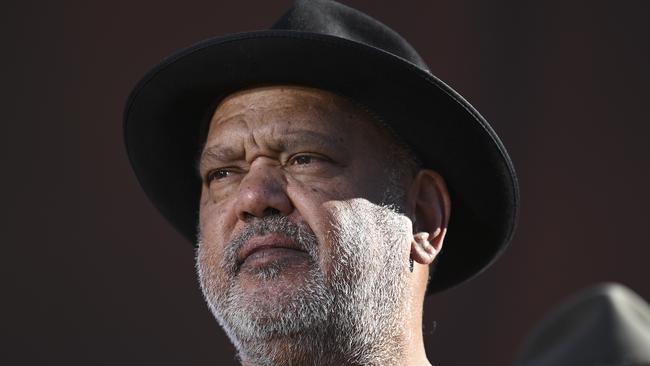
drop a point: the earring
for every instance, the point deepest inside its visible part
(411, 264)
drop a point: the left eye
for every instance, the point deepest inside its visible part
(301, 159)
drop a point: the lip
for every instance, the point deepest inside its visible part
(268, 242)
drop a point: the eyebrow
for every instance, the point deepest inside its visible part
(291, 140)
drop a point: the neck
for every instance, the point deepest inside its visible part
(415, 353)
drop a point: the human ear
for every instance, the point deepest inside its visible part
(432, 207)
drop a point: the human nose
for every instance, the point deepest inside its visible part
(263, 193)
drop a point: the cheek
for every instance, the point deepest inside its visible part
(205, 196)
(214, 221)
(207, 259)
(214, 280)
(211, 239)
(371, 182)
(359, 180)
(311, 192)
(215, 230)
(368, 228)
(309, 200)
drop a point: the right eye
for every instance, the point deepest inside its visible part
(217, 174)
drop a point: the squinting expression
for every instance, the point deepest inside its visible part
(290, 220)
(285, 151)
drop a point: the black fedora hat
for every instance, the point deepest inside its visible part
(327, 45)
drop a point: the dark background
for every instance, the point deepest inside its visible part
(92, 274)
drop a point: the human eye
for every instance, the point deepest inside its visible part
(218, 174)
(301, 159)
(306, 159)
(310, 164)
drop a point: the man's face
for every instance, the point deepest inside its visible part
(295, 239)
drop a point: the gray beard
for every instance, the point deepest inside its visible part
(355, 313)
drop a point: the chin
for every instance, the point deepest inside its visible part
(273, 302)
(270, 286)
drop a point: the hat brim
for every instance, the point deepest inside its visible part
(164, 112)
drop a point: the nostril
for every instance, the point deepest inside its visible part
(262, 193)
(270, 211)
(246, 216)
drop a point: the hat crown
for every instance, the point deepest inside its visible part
(335, 19)
(323, 44)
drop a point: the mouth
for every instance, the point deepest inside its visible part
(270, 248)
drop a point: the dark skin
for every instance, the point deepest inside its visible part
(304, 153)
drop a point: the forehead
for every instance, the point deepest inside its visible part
(290, 107)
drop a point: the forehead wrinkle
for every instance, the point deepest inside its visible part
(294, 139)
(219, 152)
(237, 118)
(256, 122)
(280, 140)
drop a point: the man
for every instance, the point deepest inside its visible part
(320, 167)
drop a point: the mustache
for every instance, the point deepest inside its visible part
(300, 233)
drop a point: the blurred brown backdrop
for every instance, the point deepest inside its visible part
(92, 275)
